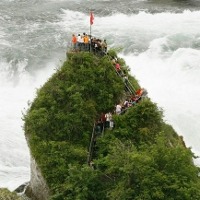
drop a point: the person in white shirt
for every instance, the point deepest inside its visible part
(79, 42)
(108, 117)
(118, 109)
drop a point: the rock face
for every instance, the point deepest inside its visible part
(37, 189)
(22, 188)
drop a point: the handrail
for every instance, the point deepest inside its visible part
(132, 86)
(131, 89)
(89, 158)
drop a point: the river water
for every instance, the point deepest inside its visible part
(160, 41)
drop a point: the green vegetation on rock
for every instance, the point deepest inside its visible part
(142, 158)
(7, 195)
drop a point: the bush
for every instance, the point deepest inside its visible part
(141, 158)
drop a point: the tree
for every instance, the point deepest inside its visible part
(141, 158)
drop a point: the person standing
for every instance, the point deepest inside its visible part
(79, 42)
(118, 109)
(104, 47)
(118, 68)
(108, 119)
(86, 42)
(74, 41)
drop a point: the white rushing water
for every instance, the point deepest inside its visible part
(161, 49)
(170, 70)
(163, 52)
(14, 153)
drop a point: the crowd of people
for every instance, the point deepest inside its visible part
(106, 119)
(122, 107)
(87, 42)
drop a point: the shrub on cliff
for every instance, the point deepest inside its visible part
(141, 158)
(7, 195)
(59, 122)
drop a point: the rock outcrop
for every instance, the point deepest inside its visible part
(142, 157)
(37, 188)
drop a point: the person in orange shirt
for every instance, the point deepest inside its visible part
(139, 92)
(74, 41)
(86, 42)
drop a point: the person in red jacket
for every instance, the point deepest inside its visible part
(118, 68)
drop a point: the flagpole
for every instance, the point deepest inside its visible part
(90, 37)
(91, 22)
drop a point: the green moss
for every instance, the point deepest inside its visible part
(7, 195)
(138, 159)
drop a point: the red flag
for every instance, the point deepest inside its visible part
(91, 18)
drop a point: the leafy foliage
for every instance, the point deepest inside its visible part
(7, 195)
(141, 158)
(140, 124)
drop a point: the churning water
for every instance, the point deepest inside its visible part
(160, 42)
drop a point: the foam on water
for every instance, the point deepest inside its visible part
(173, 83)
(14, 159)
(161, 49)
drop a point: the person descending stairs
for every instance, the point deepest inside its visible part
(128, 86)
(105, 119)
